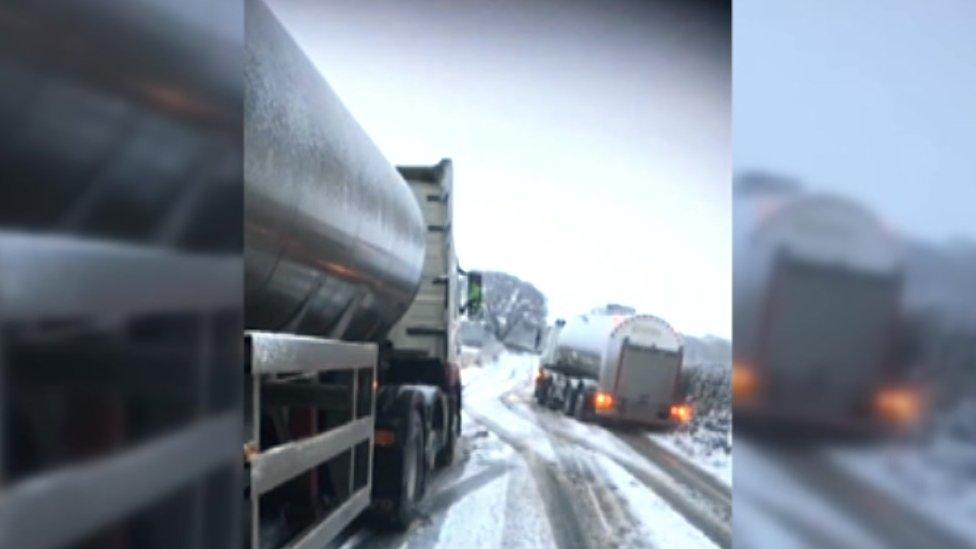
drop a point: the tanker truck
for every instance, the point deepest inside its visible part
(614, 366)
(817, 289)
(351, 298)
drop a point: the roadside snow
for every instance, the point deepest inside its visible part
(707, 440)
(760, 482)
(702, 451)
(922, 478)
(662, 525)
(755, 528)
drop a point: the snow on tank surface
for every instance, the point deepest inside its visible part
(592, 335)
(588, 334)
(648, 331)
(829, 230)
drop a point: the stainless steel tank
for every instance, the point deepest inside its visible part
(582, 344)
(818, 229)
(128, 125)
(333, 236)
(590, 344)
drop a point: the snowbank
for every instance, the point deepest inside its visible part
(935, 478)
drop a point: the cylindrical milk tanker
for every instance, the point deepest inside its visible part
(817, 288)
(815, 229)
(334, 238)
(617, 365)
(582, 344)
(590, 344)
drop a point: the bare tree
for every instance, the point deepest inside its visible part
(511, 302)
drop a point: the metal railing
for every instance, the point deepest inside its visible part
(107, 356)
(293, 372)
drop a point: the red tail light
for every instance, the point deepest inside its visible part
(603, 402)
(745, 383)
(682, 413)
(899, 405)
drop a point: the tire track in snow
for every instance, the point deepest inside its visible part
(896, 524)
(717, 528)
(810, 533)
(525, 522)
(565, 520)
(448, 487)
(615, 506)
(622, 527)
(581, 483)
(685, 472)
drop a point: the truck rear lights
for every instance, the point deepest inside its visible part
(384, 438)
(745, 383)
(603, 402)
(682, 413)
(900, 405)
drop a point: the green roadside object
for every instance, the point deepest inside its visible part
(473, 306)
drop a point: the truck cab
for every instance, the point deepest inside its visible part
(418, 375)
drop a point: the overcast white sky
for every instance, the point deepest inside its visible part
(591, 141)
(873, 99)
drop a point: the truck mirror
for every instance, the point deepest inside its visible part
(473, 306)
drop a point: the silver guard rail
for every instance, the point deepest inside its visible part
(285, 371)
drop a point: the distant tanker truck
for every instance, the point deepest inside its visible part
(614, 365)
(817, 289)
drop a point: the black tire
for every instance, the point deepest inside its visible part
(413, 480)
(580, 405)
(541, 392)
(445, 456)
(570, 404)
(551, 402)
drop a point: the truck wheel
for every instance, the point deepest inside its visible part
(541, 392)
(551, 401)
(559, 399)
(414, 478)
(570, 404)
(446, 456)
(580, 405)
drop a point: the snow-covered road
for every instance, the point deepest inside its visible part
(820, 494)
(529, 477)
(526, 476)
